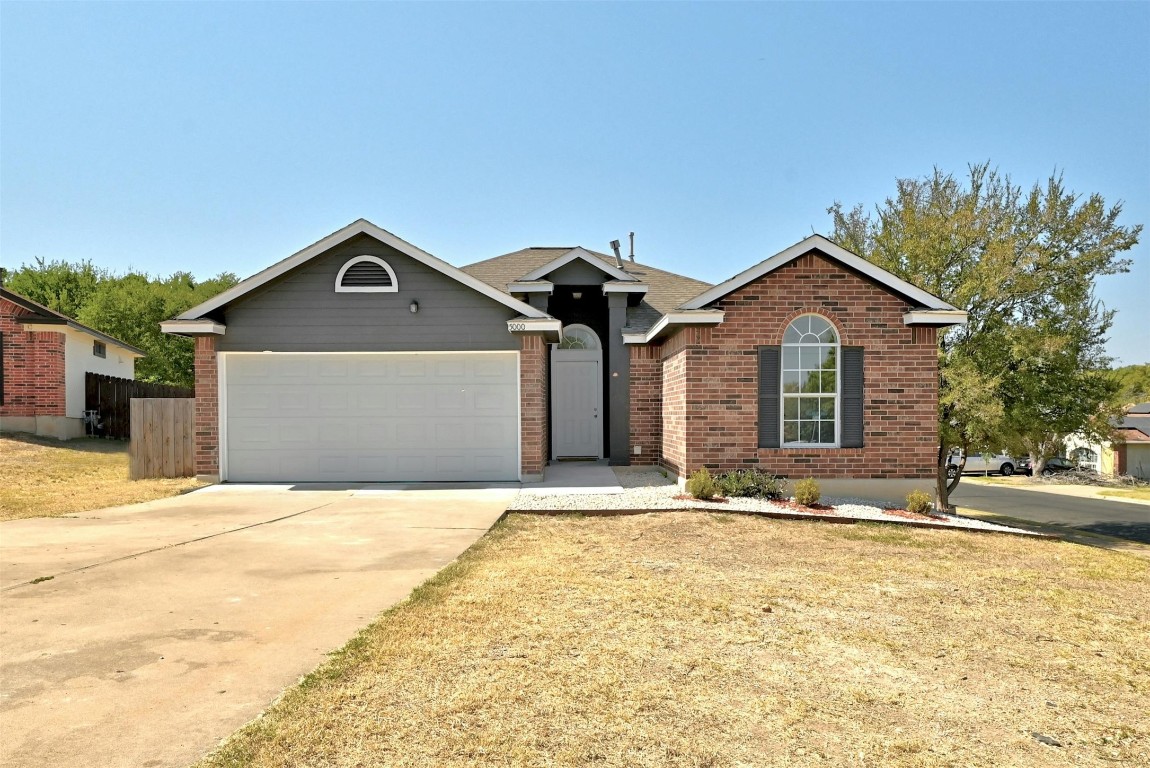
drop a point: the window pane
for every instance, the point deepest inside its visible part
(827, 358)
(808, 408)
(790, 358)
(828, 381)
(790, 431)
(791, 381)
(811, 381)
(827, 431)
(792, 335)
(811, 358)
(818, 324)
(808, 431)
(829, 336)
(827, 409)
(790, 408)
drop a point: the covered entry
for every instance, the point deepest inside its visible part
(369, 417)
(577, 395)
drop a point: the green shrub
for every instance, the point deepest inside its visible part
(807, 492)
(919, 502)
(751, 483)
(701, 485)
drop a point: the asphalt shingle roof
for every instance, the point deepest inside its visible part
(666, 290)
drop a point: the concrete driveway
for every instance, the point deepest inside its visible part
(165, 626)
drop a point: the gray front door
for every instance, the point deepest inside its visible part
(576, 403)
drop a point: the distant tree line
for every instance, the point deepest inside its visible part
(129, 307)
(1133, 383)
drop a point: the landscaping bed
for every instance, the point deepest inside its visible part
(688, 639)
(653, 490)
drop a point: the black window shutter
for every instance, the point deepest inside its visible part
(852, 398)
(769, 373)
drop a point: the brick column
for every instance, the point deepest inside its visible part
(534, 429)
(646, 404)
(207, 440)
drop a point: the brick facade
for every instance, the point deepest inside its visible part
(33, 368)
(646, 425)
(207, 437)
(710, 378)
(534, 437)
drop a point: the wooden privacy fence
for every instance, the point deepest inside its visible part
(162, 429)
(106, 401)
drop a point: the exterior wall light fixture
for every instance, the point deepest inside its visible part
(414, 307)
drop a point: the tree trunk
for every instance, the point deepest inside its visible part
(1038, 466)
(943, 485)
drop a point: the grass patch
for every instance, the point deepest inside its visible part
(48, 478)
(686, 639)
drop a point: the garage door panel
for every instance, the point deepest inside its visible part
(371, 417)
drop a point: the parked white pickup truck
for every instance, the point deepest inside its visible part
(976, 464)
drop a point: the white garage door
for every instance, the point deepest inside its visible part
(371, 417)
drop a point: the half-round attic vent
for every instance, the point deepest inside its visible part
(366, 274)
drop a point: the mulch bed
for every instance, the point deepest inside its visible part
(715, 499)
(912, 515)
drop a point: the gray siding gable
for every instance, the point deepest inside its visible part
(301, 311)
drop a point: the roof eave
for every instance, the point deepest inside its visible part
(358, 227)
(836, 252)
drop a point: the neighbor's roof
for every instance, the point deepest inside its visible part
(666, 291)
(1132, 435)
(41, 315)
(1136, 420)
(1139, 408)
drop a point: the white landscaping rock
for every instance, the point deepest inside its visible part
(653, 490)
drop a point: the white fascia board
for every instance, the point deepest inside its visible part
(359, 227)
(620, 287)
(531, 286)
(179, 327)
(62, 327)
(709, 317)
(935, 317)
(534, 325)
(587, 256)
(836, 252)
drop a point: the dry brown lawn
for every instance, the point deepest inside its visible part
(49, 478)
(690, 639)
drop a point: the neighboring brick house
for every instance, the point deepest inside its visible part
(45, 356)
(363, 358)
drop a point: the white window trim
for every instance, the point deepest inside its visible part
(341, 288)
(837, 394)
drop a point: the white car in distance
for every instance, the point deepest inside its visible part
(977, 464)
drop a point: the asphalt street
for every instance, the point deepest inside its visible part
(1111, 518)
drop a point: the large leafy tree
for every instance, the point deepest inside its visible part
(1028, 366)
(129, 307)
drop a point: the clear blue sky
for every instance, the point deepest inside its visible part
(212, 136)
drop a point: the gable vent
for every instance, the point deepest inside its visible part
(366, 274)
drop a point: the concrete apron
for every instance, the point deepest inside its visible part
(151, 643)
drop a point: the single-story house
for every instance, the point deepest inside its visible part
(1128, 453)
(363, 358)
(45, 356)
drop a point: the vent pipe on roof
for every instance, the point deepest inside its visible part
(632, 254)
(618, 258)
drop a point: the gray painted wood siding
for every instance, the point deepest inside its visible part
(301, 311)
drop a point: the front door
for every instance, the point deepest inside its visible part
(576, 403)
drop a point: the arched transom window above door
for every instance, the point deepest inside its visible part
(579, 337)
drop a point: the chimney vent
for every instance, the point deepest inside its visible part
(618, 257)
(632, 254)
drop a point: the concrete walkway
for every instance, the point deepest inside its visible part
(562, 478)
(156, 630)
